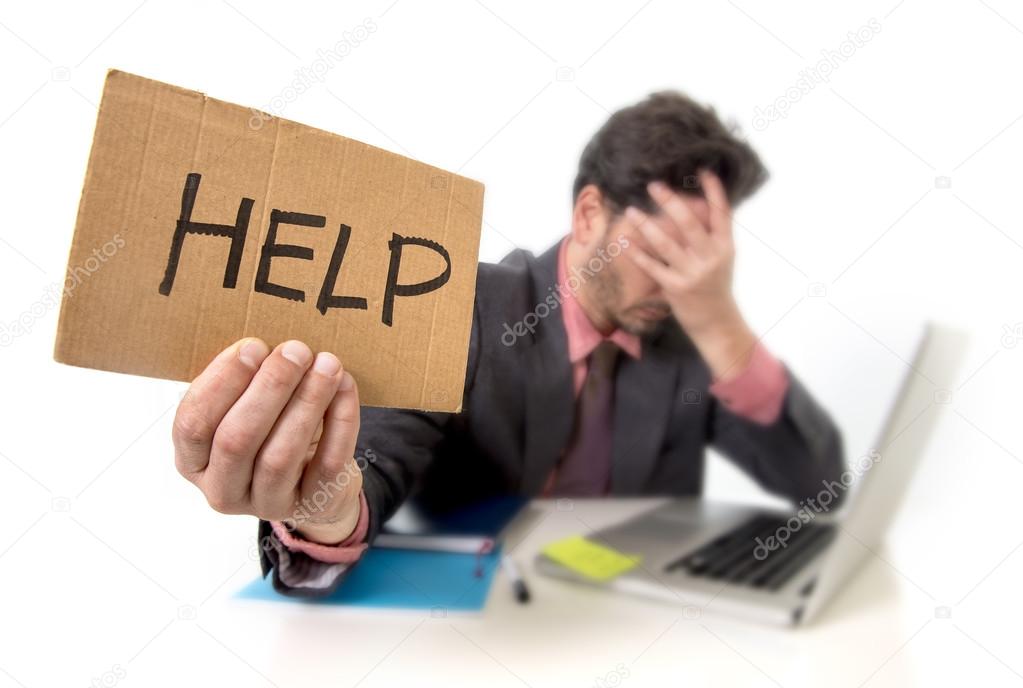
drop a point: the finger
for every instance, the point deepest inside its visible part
(655, 269)
(282, 458)
(248, 423)
(333, 462)
(209, 398)
(675, 208)
(720, 208)
(670, 250)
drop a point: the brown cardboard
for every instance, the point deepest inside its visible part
(156, 145)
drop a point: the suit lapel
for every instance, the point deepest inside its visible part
(550, 413)
(550, 401)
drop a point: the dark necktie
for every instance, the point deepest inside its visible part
(585, 469)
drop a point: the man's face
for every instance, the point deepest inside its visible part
(629, 298)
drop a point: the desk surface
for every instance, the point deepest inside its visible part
(164, 614)
(880, 630)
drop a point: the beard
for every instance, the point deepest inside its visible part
(630, 321)
(608, 294)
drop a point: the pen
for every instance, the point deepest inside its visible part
(518, 583)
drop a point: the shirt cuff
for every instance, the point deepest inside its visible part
(757, 393)
(345, 552)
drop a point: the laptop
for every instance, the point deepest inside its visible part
(783, 567)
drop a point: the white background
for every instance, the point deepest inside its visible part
(894, 195)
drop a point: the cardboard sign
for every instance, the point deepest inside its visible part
(201, 222)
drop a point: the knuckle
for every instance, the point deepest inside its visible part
(231, 442)
(335, 465)
(313, 393)
(277, 468)
(277, 378)
(182, 467)
(191, 426)
(220, 502)
(348, 423)
(306, 425)
(303, 420)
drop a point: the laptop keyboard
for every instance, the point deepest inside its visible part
(732, 557)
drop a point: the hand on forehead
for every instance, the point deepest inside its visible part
(697, 204)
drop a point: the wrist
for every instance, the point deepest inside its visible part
(323, 534)
(726, 343)
(329, 531)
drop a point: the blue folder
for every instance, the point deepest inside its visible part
(404, 579)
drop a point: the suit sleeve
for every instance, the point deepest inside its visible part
(395, 447)
(777, 433)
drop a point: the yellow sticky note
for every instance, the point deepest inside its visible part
(590, 559)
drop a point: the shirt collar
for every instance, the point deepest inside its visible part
(582, 336)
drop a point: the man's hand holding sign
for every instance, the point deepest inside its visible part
(321, 258)
(260, 432)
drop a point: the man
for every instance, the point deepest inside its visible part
(602, 367)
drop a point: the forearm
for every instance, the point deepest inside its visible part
(725, 342)
(797, 455)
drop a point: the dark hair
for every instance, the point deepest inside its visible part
(667, 136)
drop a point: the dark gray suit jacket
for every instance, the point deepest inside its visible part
(518, 408)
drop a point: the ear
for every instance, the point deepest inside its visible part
(589, 215)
